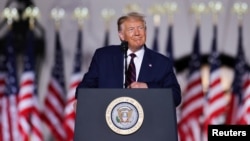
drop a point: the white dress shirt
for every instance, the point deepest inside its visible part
(137, 60)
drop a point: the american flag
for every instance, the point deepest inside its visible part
(216, 100)
(55, 98)
(193, 98)
(237, 87)
(244, 111)
(190, 130)
(27, 99)
(9, 101)
(36, 118)
(155, 39)
(36, 121)
(2, 88)
(76, 78)
(169, 49)
(27, 87)
(244, 107)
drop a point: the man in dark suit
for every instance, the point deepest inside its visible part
(152, 70)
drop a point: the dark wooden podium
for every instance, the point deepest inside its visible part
(159, 121)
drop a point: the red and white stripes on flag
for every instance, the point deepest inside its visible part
(215, 106)
(10, 118)
(193, 98)
(29, 122)
(54, 103)
(75, 79)
(9, 101)
(25, 104)
(191, 109)
(242, 116)
(69, 111)
(54, 109)
(244, 111)
(238, 87)
(216, 100)
(2, 91)
(190, 130)
(36, 121)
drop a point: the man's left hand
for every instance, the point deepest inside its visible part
(138, 85)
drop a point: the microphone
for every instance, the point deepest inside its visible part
(124, 47)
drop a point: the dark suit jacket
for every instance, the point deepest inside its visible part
(107, 70)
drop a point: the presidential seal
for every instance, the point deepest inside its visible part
(124, 115)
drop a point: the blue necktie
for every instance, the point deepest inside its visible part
(131, 73)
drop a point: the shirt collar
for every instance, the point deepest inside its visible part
(139, 53)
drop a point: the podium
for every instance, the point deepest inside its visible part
(125, 114)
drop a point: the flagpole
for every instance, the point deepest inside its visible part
(191, 114)
(214, 115)
(79, 14)
(56, 128)
(9, 111)
(170, 8)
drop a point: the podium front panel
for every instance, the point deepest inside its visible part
(159, 123)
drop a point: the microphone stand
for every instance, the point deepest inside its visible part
(124, 46)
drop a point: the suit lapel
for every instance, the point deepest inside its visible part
(146, 66)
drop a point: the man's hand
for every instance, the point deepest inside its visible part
(138, 85)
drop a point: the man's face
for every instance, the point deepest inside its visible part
(133, 31)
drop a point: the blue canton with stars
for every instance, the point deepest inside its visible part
(58, 68)
(214, 59)
(240, 67)
(11, 82)
(78, 56)
(195, 62)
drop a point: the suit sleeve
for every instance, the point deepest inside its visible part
(90, 79)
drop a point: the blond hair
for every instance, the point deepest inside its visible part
(131, 15)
